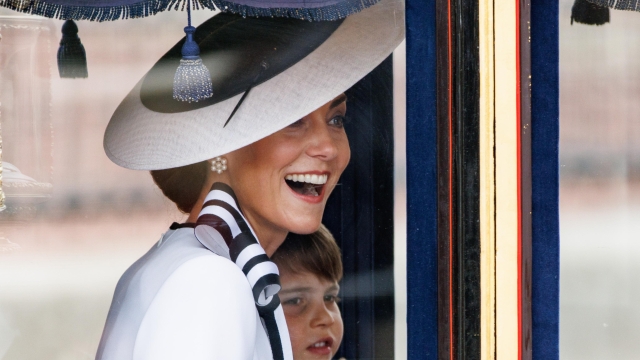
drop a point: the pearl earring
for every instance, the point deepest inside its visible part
(219, 164)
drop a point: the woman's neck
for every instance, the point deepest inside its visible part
(197, 207)
(270, 238)
(206, 189)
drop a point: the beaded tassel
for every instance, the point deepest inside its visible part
(192, 81)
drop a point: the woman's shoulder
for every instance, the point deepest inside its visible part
(207, 272)
(175, 249)
(196, 262)
(179, 293)
(195, 270)
(180, 263)
(205, 305)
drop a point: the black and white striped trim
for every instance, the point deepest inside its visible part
(222, 228)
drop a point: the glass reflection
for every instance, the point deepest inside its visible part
(56, 289)
(599, 186)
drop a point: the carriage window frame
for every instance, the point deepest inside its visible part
(441, 39)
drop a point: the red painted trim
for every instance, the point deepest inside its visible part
(450, 81)
(519, 175)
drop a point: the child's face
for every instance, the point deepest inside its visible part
(312, 313)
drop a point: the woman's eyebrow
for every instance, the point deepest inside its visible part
(337, 101)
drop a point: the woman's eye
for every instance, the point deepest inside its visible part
(338, 121)
(296, 124)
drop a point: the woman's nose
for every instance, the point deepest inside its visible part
(322, 317)
(321, 142)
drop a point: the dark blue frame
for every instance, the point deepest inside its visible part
(422, 311)
(545, 112)
(422, 230)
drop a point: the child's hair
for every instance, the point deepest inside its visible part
(316, 253)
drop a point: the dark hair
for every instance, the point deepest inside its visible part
(316, 253)
(182, 185)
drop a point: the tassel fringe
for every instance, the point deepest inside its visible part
(327, 13)
(145, 8)
(632, 5)
(72, 61)
(192, 81)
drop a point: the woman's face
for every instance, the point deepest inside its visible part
(283, 181)
(313, 316)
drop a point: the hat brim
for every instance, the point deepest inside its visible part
(141, 139)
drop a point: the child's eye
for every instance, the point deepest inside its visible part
(331, 298)
(292, 301)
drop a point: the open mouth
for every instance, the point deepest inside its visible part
(322, 347)
(307, 184)
(320, 344)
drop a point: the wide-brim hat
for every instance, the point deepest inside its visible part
(290, 66)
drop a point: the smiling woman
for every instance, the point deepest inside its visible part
(316, 145)
(291, 169)
(250, 165)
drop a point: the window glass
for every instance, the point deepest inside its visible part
(84, 220)
(599, 186)
(400, 201)
(70, 248)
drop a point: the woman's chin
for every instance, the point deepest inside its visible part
(302, 217)
(304, 226)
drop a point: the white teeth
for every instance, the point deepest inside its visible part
(308, 178)
(320, 344)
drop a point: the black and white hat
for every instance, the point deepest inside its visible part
(266, 74)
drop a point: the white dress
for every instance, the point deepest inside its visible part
(182, 301)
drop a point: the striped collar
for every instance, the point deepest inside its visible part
(222, 228)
